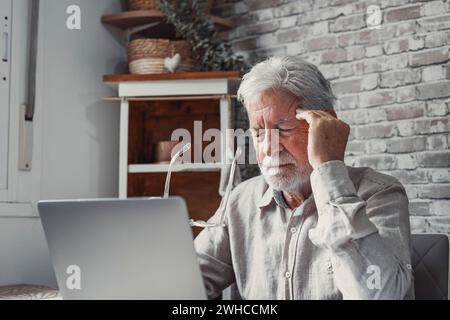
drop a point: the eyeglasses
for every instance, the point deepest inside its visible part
(284, 127)
(183, 150)
(224, 202)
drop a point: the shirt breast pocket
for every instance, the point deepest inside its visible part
(322, 266)
(321, 280)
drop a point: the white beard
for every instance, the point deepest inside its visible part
(289, 178)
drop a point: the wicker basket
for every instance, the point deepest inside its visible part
(147, 66)
(154, 5)
(146, 56)
(148, 48)
(184, 48)
(186, 67)
(143, 5)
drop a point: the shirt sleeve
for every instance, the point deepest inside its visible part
(368, 240)
(214, 256)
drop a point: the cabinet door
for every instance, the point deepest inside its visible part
(5, 70)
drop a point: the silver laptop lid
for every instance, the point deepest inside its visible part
(122, 249)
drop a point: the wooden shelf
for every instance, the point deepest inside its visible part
(131, 19)
(116, 78)
(192, 167)
(151, 108)
(176, 84)
(168, 98)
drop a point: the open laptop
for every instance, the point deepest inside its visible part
(122, 249)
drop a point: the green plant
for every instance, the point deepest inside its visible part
(192, 24)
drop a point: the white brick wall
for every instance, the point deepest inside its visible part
(392, 83)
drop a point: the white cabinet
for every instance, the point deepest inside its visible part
(5, 71)
(73, 134)
(182, 86)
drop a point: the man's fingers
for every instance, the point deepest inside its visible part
(324, 114)
(307, 115)
(318, 113)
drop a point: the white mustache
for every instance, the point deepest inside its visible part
(280, 160)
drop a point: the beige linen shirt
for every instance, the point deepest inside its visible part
(349, 240)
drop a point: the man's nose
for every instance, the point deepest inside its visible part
(271, 144)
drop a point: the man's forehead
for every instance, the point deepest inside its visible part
(272, 106)
(261, 120)
(273, 101)
(271, 111)
(274, 114)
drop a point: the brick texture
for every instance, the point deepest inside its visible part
(392, 82)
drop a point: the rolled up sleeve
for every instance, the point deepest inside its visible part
(368, 239)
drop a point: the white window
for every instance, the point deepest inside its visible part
(5, 73)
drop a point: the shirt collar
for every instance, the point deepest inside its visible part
(279, 199)
(277, 195)
(272, 194)
(266, 198)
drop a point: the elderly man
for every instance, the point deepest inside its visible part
(309, 227)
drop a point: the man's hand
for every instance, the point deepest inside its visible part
(327, 138)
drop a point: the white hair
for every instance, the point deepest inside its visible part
(291, 73)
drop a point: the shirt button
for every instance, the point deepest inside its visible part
(409, 266)
(287, 274)
(293, 230)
